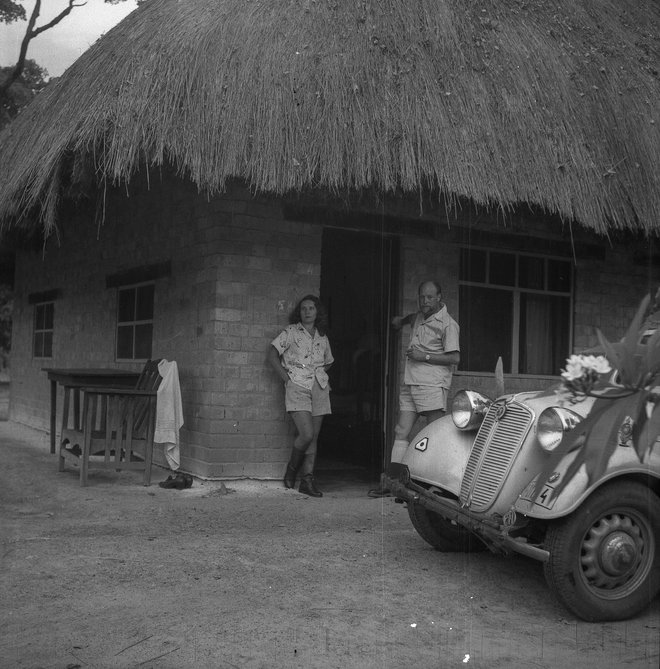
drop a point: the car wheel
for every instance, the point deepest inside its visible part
(604, 559)
(442, 534)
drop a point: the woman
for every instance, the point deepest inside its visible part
(301, 356)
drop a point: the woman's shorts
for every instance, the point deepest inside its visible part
(316, 400)
(422, 398)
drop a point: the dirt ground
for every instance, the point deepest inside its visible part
(247, 574)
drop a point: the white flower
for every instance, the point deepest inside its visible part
(574, 368)
(580, 377)
(580, 366)
(600, 364)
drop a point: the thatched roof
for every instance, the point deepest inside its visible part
(551, 102)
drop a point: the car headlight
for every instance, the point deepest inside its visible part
(468, 409)
(552, 424)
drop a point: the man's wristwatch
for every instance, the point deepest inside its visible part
(427, 357)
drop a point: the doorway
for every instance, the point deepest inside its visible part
(359, 280)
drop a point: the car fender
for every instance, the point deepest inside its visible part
(438, 454)
(623, 462)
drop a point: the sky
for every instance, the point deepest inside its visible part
(60, 46)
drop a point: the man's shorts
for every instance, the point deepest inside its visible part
(316, 400)
(422, 398)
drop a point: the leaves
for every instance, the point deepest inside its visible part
(599, 432)
(629, 356)
(648, 430)
(499, 378)
(11, 11)
(597, 436)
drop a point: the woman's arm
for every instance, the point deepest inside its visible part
(276, 363)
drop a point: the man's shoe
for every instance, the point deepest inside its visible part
(178, 481)
(379, 492)
(308, 487)
(169, 482)
(74, 450)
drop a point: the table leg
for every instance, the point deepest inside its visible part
(76, 408)
(53, 414)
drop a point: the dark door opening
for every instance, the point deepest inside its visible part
(358, 287)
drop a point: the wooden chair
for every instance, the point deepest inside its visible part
(117, 428)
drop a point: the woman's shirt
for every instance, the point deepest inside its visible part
(304, 357)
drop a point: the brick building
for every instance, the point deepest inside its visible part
(216, 186)
(224, 283)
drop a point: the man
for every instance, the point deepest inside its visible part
(431, 355)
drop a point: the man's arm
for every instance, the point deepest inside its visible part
(447, 358)
(399, 321)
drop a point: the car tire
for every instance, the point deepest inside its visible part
(441, 533)
(605, 557)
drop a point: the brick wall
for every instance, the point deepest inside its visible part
(237, 270)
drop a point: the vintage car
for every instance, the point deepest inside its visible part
(470, 481)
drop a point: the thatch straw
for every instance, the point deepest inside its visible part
(552, 102)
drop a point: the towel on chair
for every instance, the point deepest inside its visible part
(169, 412)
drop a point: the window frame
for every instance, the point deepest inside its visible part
(36, 330)
(135, 322)
(516, 290)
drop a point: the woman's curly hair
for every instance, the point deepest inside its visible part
(321, 321)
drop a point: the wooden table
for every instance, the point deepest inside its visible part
(73, 381)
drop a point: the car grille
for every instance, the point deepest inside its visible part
(495, 448)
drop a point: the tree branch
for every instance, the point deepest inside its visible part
(30, 34)
(57, 19)
(20, 63)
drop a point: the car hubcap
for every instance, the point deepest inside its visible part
(618, 554)
(614, 552)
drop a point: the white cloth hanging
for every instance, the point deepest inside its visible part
(169, 412)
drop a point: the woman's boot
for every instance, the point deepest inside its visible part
(292, 468)
(308, 486)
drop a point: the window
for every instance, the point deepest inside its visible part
(44, 316)
(135, 322)
(515, 306)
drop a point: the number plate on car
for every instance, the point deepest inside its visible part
(545, 499)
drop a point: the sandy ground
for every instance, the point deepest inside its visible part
(247, 574)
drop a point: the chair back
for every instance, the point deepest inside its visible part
(149, 377)
(149, 380)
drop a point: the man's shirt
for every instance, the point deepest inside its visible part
(439, 333)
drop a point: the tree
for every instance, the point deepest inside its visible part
(10, 77)
(29, 83)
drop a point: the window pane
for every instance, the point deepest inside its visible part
(48, 345)
(473, 265)
(39, 317)
(502, 269)
(544, 329)
(486, 322)
(125, 341)
(559, 275)
(126, 305)
(145, 303)
(143, 341)
(38, 344)
(49, 310)
(531, 272)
